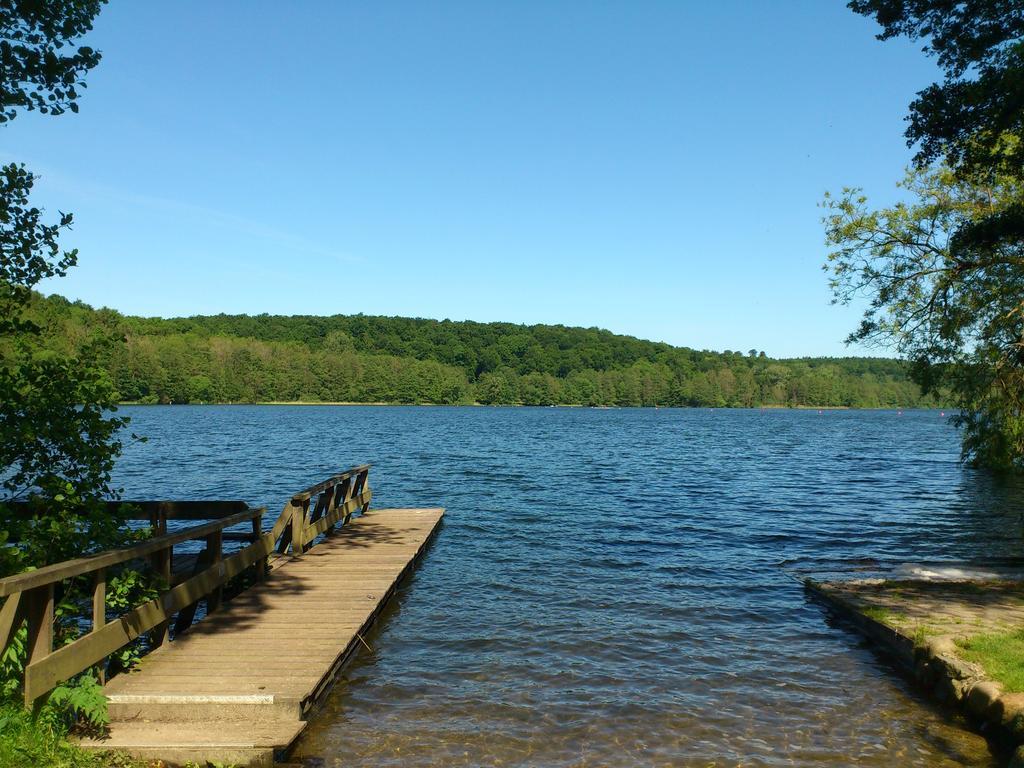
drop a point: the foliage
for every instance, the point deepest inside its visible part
(944, 274)
(29, 247)
(80, 702)
(955, 314)
(37, 72)
(393, 359)
(58, 441)
(12, 666)
(55, 438)
(126, 590)
(979, 44)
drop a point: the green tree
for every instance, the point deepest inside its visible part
(57, 439)
(964, 120)
(498, 388)
(539, 389)
(38, 72)
(957, 314)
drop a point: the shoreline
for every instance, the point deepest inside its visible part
(773, 407)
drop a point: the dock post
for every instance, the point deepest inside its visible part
(298, 525)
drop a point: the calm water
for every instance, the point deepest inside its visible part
(616, 587)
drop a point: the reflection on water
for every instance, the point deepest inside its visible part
(617, 587)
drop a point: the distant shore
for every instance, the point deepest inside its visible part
(773, 407)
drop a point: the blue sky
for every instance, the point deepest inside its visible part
(653, 168)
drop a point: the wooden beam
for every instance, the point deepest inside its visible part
(39, 612)
(193, 510)
(162, 568)
(11, 617)
(257, 531)
(99, 611)
(99, 599)
(343, 495)
(71, 568)
(364, 486)
(214, 546)
(187, 614)
(144, 510)
(300, 508)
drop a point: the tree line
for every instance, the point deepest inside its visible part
(363, 359)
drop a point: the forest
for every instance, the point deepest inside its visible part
(365, 359)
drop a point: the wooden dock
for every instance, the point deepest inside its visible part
(237, 686)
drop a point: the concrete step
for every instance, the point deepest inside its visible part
(191, 708)
(240, 743)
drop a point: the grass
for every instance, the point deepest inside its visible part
(922, 633)
(27, 743)
(1000, 655)
(883, 615)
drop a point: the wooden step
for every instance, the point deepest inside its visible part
(230, 743)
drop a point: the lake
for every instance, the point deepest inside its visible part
(617, 587)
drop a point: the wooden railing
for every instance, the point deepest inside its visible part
(314, 510)
(30, 596)
(158, 513)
